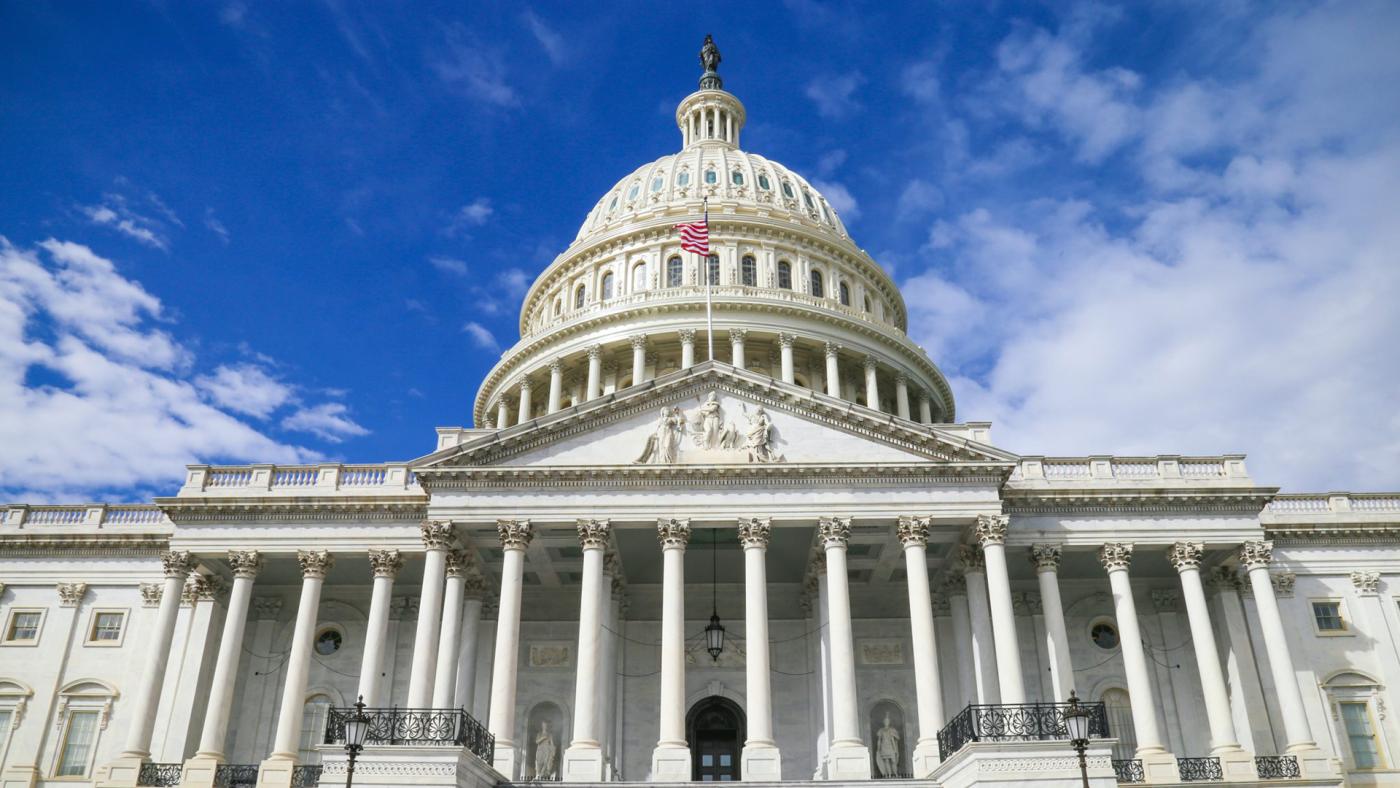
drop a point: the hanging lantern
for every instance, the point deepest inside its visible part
(714, 637)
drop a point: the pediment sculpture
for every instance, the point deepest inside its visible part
(713, 437)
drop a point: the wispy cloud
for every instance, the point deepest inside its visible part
(213, 225)
(473, 70)
(835, 95)
(116, 213)
(481, 336)
(329, 421)
(245, 388)
(449, 265)
(840, 199)
(549, 39)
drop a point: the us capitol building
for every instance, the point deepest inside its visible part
(769, 551)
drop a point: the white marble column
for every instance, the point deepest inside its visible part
(639, 358)
(991, 533)
(1046, 560)
(687, 336)
(1224, 743)
(824, 644)
(473, 592)
(980, 614)
(736, 347)
(872, 383)
(785, 343)
(969, 687)
(245, 565)
(761, 759)
(928, 688)
(901, 395)
(833, 370)
(670, 761)
(385, 566)
(503, 413)
(1159, 765)
(526, 406)
(556, 386)
(437, 539)
(1256, 557)
(925, 410)
(177, 565)
(613, 589)
(450, 637)
(515, 537)
(583, 760)
(848, 758)
(276, 770)
(595, 372)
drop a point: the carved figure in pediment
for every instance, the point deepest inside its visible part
(759, 441)
(708, 423)
(663, 444)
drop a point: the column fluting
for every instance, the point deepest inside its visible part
(991, 533)
(1186, 557)
(437, 539)
(1116, 557)
(450, 634)
(1046, 560)
(314, 566)
(671, 758)
(1256, 557)
(515, 537)
(385, 566)
(177, 566)
(928, 689)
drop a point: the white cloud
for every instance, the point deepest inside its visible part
(835, 95)
(918, 199)
(114, 213)
(830, 162)
(213, 225)
(245, 388)
(329, 421)
(474, 70)
(481, 336)
(475, 212)
(449, 265)
(92, 402)
(839, 197)
(549, 39)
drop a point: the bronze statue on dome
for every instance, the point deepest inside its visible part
(709, 60)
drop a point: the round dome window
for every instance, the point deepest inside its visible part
(1104, 634)
(328, 641)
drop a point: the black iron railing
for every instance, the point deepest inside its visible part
(159, 775)
(1015, 722)
(447, 727)
(1277, 767)
(1199, 769)
(1129, 770)
(236, 775)
(306, 776)
(899, 774)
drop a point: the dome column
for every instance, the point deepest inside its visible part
(556, 385)
(639, 358)
(901, 395)
(503, 413)
(687, 348)
(595, 372)
(833, 371)
(736, 347)
(525, 405)
(925, 409)
(785, 342)
(872, 385)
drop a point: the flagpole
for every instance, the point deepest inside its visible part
(709, 310)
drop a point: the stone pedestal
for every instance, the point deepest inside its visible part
(505, 760)
(1314, 764)
(199, 772)
(582, 764)
(1236, 765)
(399, 767)
(119, 773)
(846, 761)
(1042, 764)
(19, 776)
(670, 764)
(761, 762)
(1159, 767)
(277, 772)
(925, 758)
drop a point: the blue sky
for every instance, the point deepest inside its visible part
(284, 232)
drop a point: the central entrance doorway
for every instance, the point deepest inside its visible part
(714, 728)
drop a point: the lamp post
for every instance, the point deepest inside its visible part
(1076, 719)
(356, 731)
(714, 633)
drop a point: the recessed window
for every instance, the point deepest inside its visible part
(807, 198)
(329, 641)
(612, 205)
(711, 176)
(787, 190)
(827, 214)
(75, 753)
(1361, 734)
(845, 290)
(639, 277)
(817, 289)
(24, 626)
(634, 191)
(557, 306)
(607, 286)
(657, 183)
(580, 295)
(1327, 616)
(763, 181)
(737, 178)
(682, 178)
(867, 303)
(784, 275)
(1104, 635)
(748, 271)
(712, 269)
(106, 627)
(675, 271)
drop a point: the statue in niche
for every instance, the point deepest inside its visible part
(887, 749)
(759, 440)
(546, 753)
(663, 444)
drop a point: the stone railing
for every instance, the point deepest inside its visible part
(1157, 470)
(1323, 506)
(91, 515)
(213, 480)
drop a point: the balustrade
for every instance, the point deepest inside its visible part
(306, 776)
(1277, 767)
(1199, 769)
(1015, 722)
(236, 775)
(394, 726)
(1129, 770)
(159, 775)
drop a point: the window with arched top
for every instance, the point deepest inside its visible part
(748, 271)
(558, 305)
(711, 176)
(1120, 720)
(683, 177)
(313, 729)
(787, 190)
(675, 272)
(763, 182)
(845, 293)
(784, 274)
(1354, 698)
(816, 283)
(737, 178)
(580, 296)
(607, 286)
(635, 189)
(657, 182)
(83, 710)
(639, 277)
(867, 303)
(14, 697)
(712, 269)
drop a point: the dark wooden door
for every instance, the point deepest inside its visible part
(716, 736)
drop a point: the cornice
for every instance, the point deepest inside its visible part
(726, 476)
(1353, 533)
(1214, 500)
(191, 511)
(84, 545)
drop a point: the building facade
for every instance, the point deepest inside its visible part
(786, 465)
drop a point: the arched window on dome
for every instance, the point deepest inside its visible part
(816, 283)
(657, 183)
(634, 191)
(737, 178)
(748, 271)
(867, 303)
(580, 295)
(763, 182)
(787, 190)
(712, 269)
(683, 177)
(845, 291)
(675, 272)
(639, 277)
(784, 274)
(807, 198)
(558, 305)
(711, 177)
(607, 286)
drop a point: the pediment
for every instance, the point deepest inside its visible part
(714, 415)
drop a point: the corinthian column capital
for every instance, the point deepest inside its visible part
(245, 563)
(437, 534)
(1186, 555)
(458, 562)
(991, 528)
(177, 563)
(912, 530)
(971, 558)
(593, 534)
(834, 531)
(315, 563)
(1256, 554)
(385, 563)
(1116, 556)
(1045, 557)
(687, 335)
(787, 340)
(754, 531)
(514, 534)
(673, 533)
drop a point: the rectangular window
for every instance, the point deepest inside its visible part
(1361, 736)
(24, 625)
(1328, 617)
(106, 627)
(712, 269)
(6, 716)
(78, 739)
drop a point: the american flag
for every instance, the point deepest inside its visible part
(695, 236)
